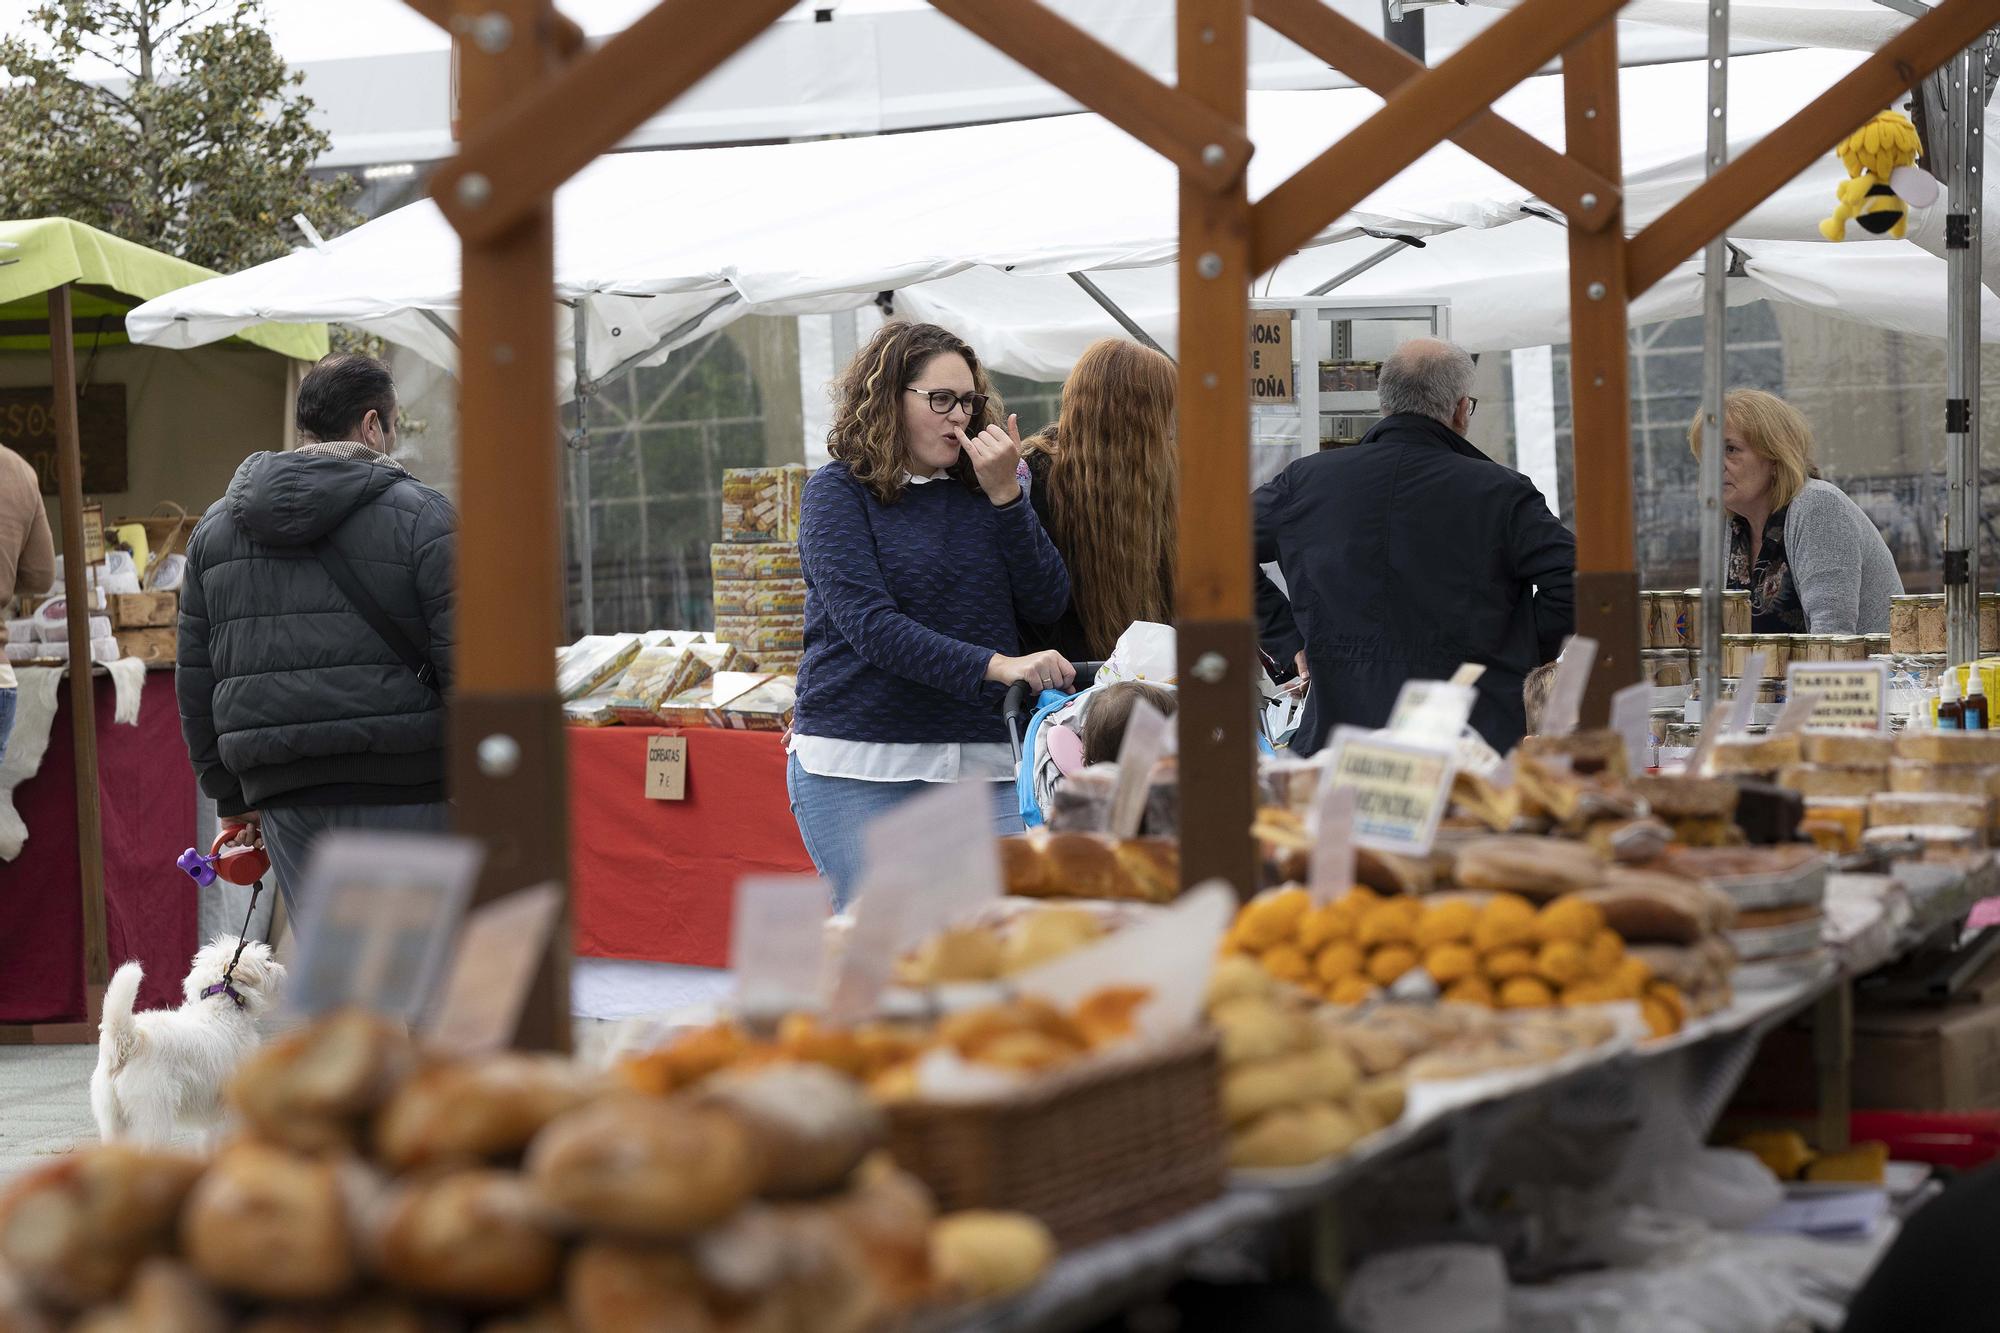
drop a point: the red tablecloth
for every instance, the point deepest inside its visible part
(656, 880)
(147, 796)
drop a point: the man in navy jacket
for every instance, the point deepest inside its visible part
(1409, 554)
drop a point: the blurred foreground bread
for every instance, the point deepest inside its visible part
(316, 1089)
(1536, 868)
(477, 1110)
(480, 1238)
(810, 1126)
(645, 1167)
(1089, 865)
(266, 1222)
(75, 1230)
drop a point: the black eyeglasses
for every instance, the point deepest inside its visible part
(943, 400)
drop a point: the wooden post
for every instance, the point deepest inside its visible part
(82, 686)
(1218, 647)
(1607, 581)
(508, 763)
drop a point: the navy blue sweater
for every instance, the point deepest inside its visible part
(907, 603)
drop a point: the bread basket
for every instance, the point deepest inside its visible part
(1107, 1147)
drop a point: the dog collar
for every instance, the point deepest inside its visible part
(224, 988)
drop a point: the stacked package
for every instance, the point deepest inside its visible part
(760, 591)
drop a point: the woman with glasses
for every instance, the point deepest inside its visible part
(921, 554)
(1104, 481)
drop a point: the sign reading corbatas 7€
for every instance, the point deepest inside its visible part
(1271, 357)
(666, 768)
(1400, 789)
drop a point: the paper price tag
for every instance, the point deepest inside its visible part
(1145, 741)
(666, 768)
(1400, 788)
(498, 954)
(1573, 669)
(1333, 842)
(777, 942)
(1468, 673)
(1434, 710)
(1746, 693)
(1853, 696)
(1630, 714)
(1797, 711)
(937, 851)
(1711, 731)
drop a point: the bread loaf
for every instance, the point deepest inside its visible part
(1811, 780)
(1966, 812)
(811, 1127)
(477, 1237)
(1658, 909)
(74, 1230)
(315, 1089)
(618, 1287)
(1676, 797)
(476, 1110)
(269, 1223)
(1089, 865)
(1870, 749)
(645, 1167)
(1534, 867)
(1950, 747)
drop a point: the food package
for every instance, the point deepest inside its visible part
(38, 652)
(757, 635)
(1950, 747)
(22, 630)
(593, 662)
(1812, 780)
(1537, 867)
(755, 560)
(1914, 775)
(1966, 812)
(658, 674)
(1851, 748)
(766, 706)
(51, 622)
(759, 597)
(761, 504)
(1754, 754)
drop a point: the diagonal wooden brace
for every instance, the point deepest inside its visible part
(1782, 154)
(1204, 145)
(568, 36)
(515, 160)
(1414, 118)
(1506, 147)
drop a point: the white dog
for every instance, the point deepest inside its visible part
(166, 1068)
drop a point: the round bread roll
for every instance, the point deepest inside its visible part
(477, 1237)
(618, 1287)
(982, 1255)
(645, 1167)
(811, 1127)
(165, 1297)
(476, 1110)
(378, 1314)
(74, 1230)
(312, 1089)
(1295, 1136)
(270, 1223)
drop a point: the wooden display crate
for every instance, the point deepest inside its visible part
(155, 647)
(144, 610)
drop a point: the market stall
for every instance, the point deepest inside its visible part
(66, 290)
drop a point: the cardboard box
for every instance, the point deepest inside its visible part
(1928, 1059)
(754, 560)
(761, 504)
(155, 647)
(144, 610)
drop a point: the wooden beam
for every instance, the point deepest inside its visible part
(562, 30)
(552, 126)
(1413, 119)
(1585, 197)
(82, 685)
(1205, 146)
(508, 765)
(1217, 646)
(1607, 591)
(1747, 181)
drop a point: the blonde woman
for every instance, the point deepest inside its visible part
(921, 554)
(1105, 481)
(1811, 561)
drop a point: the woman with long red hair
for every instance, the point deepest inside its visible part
(1105, 482)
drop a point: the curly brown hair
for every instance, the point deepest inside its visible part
(867, 430)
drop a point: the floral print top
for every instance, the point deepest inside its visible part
(1775, 607)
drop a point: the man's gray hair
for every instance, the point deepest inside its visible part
(1425, 376)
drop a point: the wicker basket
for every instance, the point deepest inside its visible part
(1109, 1147)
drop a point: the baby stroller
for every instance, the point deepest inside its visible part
(1036, 768)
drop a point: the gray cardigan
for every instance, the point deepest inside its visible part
(1840, 564)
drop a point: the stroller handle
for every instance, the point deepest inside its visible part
(1021, 696)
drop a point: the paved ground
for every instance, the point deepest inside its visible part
(44, 1103)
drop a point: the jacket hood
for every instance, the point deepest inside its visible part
(294, 499)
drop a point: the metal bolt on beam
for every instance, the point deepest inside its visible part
(499, 756)
(474, 189)
(493, 32)
(1209, 265)
(1213, 156)
(1210, 668)
(1595, 291)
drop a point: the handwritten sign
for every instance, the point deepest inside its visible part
(1271, 358)
(666, 768)
(93, 534)
(777, 942)
(1400, 788)
(1333, 843)
(1853, 696)
(1573, 669)
(381, 910)
(498, 954)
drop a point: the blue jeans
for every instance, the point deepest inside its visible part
(832, 812)
(8, 697)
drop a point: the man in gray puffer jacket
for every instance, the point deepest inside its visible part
(301, 716)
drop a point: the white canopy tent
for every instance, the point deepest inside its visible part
(655, 249)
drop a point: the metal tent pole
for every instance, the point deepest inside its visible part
(579, 465)
(1715, 314)
(1113, 309)
(1966, 108)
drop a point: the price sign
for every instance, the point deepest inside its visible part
(1333, 843)
(1271, 358)
(1400, 789)
(666, 768)
(495, 961)
(1433, 710)
(777, 941)
(1573, 668)
(1853, 696)
(1630, 713)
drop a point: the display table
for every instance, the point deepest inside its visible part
(147, 790)
(656, 880)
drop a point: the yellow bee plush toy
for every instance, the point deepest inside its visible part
(1883, 178)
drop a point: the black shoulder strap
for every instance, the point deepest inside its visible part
(343, 575)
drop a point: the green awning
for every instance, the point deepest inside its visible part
(111, 276)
